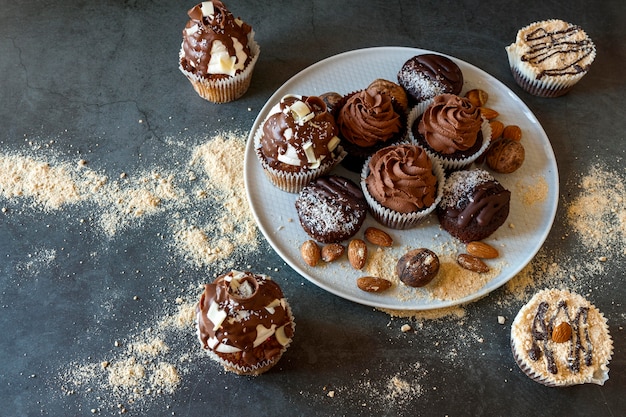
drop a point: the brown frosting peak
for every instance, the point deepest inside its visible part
(368, 117)
(450, 124)
(215, 43)
(240, 311)
(401, 178)
(299, 134)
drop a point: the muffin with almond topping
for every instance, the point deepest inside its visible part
(244, 322)
(560, 339)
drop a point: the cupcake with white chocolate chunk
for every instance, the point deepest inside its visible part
(218, 52)
(244, 322)
(560, 339)
(298, 142)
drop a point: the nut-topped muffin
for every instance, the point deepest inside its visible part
(298, 142)
(244, 322)
(560, 339)
(549, 57)
(218, 52)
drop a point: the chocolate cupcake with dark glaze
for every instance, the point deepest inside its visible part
(367, 121)
(474, 205)
(331, 209)
(298, 142)
(244, 322)
(428, 75)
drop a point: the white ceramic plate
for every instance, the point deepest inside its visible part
(518, 240)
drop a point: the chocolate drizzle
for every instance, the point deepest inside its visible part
(488, 198)
(541, 331)
(561, 45)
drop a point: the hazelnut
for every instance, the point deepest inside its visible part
(418, 267)
(505, 155)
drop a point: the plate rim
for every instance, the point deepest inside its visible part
(250, 157)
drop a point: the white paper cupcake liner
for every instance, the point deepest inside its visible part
(394, 219)
(448, 164)
(224, 90)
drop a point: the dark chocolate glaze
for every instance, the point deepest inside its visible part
(331, 209)
(444, 75)
(250, 312)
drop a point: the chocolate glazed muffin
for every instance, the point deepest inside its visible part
(474, 205)
(331, 209)
(244, 322)
(428, 75)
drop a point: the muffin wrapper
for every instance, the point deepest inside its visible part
(225, 89)
(258, 368)
(448, 164)
(394, 219)
(294, 182)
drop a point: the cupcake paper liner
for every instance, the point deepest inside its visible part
(448, 164)
(223, 90)
(394, 219)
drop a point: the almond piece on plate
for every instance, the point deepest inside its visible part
(373, 284)
(472, 263)
(332, 252)
(378, 237)
(357, 253)
(310, 252)
(482, 250)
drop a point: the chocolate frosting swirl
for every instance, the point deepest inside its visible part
(202, 33)
(450, 124)
(401, 178)
(288, 138)
(235, 307)
(368, 117)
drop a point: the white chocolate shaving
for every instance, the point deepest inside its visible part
(262, 333)
(216, 316)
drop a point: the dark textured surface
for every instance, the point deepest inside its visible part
(75, 80)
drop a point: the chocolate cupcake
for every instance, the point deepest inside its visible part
(367, 121)
(331, 209)
(298, 142)
(428, 75)
(244, 322)
(560, 339)
(549, 57)
(402, 185)
(218, 52)
(451, 129)
(474, 205)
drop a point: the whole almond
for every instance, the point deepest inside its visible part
(489, 113)
(310, 252)
(357, 253)
(378, 237)
(482, 250)
(497, 127)
(332, 252)
(512, 132)
(471, 263)
(477, 97)
(373, 284)
(562, 333)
